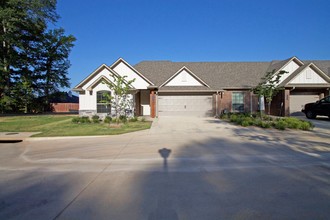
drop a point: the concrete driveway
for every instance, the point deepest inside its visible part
(182, 168)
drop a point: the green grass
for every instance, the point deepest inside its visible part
(55, 125)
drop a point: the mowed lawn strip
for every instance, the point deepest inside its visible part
(56, 125)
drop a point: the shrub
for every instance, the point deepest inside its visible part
(134, 119)
(245, 123)
(76, 120)
(281, 124)
(233, 118)
(293, 123)
(96, 119)
(143, 119)
(265, 124)
(123, 118)
(85, 119)
(107, 119)
(306, 125)
(246, 119)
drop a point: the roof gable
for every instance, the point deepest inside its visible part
(184, 77)
(102, 70)
(289, 67)
(96, 82)
(307, 74)
(122, 68)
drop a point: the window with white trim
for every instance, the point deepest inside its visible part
(238, 102)
(102, 102)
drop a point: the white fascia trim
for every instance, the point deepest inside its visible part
(322, 74)
(131, 67)
(317, 70)
(287, 63)
(101, 78)
(190, 72)
(84, 81)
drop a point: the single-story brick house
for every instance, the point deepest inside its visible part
(165, 88)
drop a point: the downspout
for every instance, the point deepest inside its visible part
(216, 105)
(251, 102)
(157, 104)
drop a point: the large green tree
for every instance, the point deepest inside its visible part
(30, 52)
(53, 62)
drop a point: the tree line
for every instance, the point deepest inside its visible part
(34, 58)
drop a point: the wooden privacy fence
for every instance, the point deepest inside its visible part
(65, 107)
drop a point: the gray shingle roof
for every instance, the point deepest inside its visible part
(220, 75)
(324, 65)
(277, 64)
(185, 88)
(217, 75)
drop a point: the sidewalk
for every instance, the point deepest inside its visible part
(15, 136)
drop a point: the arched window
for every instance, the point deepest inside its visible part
(103, 102)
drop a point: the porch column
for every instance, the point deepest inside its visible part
(152, 104)
(286, 102)
(138, 103)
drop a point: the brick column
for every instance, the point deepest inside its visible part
(138, 103)
(152, 104)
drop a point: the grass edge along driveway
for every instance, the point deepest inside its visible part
(61, 125)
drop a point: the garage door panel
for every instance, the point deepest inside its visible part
(185, 105)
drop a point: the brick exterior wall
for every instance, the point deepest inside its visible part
(225, 101)
(152, 104)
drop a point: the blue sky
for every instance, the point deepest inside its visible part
(182, 30)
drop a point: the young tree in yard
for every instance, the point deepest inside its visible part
(268, 87)
(119, 96)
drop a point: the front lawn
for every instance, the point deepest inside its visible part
(58, 125)
(266, 121)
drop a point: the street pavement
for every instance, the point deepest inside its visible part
(182, 168)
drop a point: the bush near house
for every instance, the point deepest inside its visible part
(266, 121)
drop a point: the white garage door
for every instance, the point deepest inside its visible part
(185, 105)
(297, 101)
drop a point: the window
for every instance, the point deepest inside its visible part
(102, 102)
(238, 102)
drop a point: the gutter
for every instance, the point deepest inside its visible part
(179, 91)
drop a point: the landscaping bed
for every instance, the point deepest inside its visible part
(57, 125)
(265, 121)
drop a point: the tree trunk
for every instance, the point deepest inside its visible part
(6, 78)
